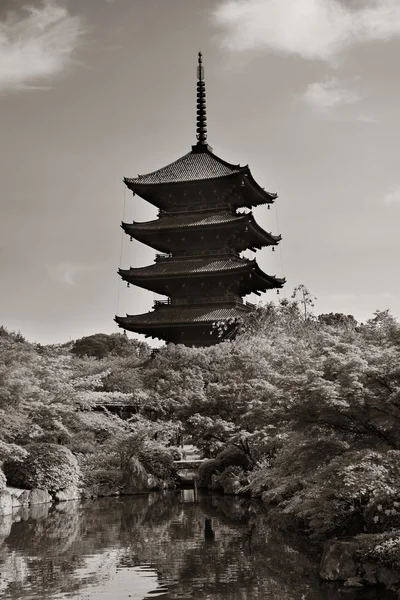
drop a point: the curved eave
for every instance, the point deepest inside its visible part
(136, 275)
(154, 227)
(253, 193)
(249, 274)
(151, 233)
(268, 238)
(267, 281)
(171, 316)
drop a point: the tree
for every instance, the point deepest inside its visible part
(306, 299)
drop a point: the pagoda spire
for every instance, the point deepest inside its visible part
(201, 104)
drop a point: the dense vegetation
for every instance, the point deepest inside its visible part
(299, 410)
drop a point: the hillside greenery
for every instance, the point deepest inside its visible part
(303, 411)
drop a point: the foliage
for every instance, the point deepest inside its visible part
(383, 549)
(310, 404)
(47, 466)
(157, 460)
(101, 345)
(306, 300)
(229, 457)
(206, 471)
(3, 480)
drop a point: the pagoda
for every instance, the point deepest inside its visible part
(200, 233)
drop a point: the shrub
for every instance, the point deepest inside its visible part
(383, 548)
(104, 475)
(229, 457)
(176, 452)
(157, 460)
(232, 457)
(3, 480)
(224, 480)
(47, 466)
(206, 471)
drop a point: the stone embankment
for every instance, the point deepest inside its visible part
(341, 562)
(14, 498)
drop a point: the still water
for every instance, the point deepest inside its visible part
(172, 546)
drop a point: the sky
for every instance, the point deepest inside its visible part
(306, 92)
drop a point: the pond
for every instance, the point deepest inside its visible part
(175, 545)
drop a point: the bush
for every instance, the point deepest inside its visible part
(176, 452)
(157, 460)
(232, 457)
(206, 471)
(104, 475)
(382, 548)
(47, 466)
(233, 474)
(229, 457)
(3, 480)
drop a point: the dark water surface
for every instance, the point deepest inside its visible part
(170, 546)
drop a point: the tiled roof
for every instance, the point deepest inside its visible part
(172, 315)
(177, 221)
(191, 167)
(185, 267)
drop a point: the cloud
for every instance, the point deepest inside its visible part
(366, 118)
(393, 197)
(36, 45)
(67, 273)
(324, 96)
(313, 29)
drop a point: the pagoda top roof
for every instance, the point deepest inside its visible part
(199, 164)
(168, 315)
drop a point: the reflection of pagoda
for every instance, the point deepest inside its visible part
(201, 234)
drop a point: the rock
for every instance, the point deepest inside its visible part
(86, 493)
(40, 497)
(353, 582)
(6, 522)
(71, 493)
(338, 559)
(5, 503)
(369, 573)
(389, 577)
(232, 485)
(20, 497)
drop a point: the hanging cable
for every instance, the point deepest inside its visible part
(120, 255)
(280, 247)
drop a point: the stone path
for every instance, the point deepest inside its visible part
(190, 452)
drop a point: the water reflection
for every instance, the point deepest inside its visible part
(173, 546)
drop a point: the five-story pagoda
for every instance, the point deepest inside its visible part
(200, 232)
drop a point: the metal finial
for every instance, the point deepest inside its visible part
(201, 129)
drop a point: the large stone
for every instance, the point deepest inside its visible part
(5, 503)
(70, 493)
(232, 485)
(338, 559)
(40, 497)
(6, 522)
(353, 582)
(389, 577)
(87, 493)
(369, 573)
(20, 497)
